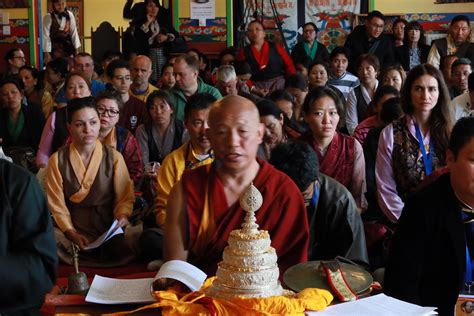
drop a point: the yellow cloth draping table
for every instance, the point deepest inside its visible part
(196, 303)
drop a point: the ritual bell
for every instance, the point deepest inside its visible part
(77, 282)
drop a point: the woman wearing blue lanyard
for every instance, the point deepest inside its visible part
(411, 148)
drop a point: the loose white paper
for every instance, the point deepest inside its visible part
(376, 305)
(117, 291)
(184, 272)
(113, 230)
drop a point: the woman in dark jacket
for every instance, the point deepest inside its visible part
(20, 123)
(413, 52)
(309, 48)
(155, 37)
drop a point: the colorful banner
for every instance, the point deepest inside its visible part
(333, 18)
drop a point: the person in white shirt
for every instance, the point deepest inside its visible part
(463, 103)
(60, 36)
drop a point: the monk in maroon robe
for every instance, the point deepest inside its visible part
(197, 230)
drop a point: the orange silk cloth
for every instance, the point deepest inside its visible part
(196, 303)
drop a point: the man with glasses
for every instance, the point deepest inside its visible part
(456, 43)
(15, 59)
(134, 111)
(370, 38)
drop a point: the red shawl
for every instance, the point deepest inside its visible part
(283, 214)
(338, 162)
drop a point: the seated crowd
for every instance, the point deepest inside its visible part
(340, 144)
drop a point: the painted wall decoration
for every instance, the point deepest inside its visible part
(333, 18)
(19, 32)
(215, 30)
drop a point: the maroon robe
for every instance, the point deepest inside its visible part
(133, 114)
(338, 162)
(283, 214)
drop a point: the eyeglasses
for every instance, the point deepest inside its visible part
(110, 112)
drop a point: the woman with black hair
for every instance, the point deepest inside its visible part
(309, 49)
(34, 89)
(21, 123)
(414, 51)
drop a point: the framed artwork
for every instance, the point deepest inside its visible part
(389, 19)
(77, 8)
(13, 4)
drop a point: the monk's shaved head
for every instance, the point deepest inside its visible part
(230, 105)
(235, 133)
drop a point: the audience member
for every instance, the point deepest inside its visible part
(370, 39)
(84, 65)
(270, 63)
(194, 153)
(382, 94)
(309, 48)
(340, 156)
(273, 120)
(227, 56)
(217, 187)
(293, 119)
(133, 111)
(20, 123)
(109, 104)
(155, 37)
(318, 74)
(15, 59)
(186, 69)
(398, 31)
(88, 187)
(414, 51)
(167, 79)
(360, 97)
(55, 132)
(141, 72)
(60, 36)
(227, 80)
(28, 249)
(456, 43)
(435, 233)
(56, 72)
(335, 224)
(339, 77)
(394, 76)
(460, 70)
(463, 104)
(34, 89)
(411, 148)
(164, 133)
(108, 57)
(390, 111)
(446, 63)
(297, 85)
